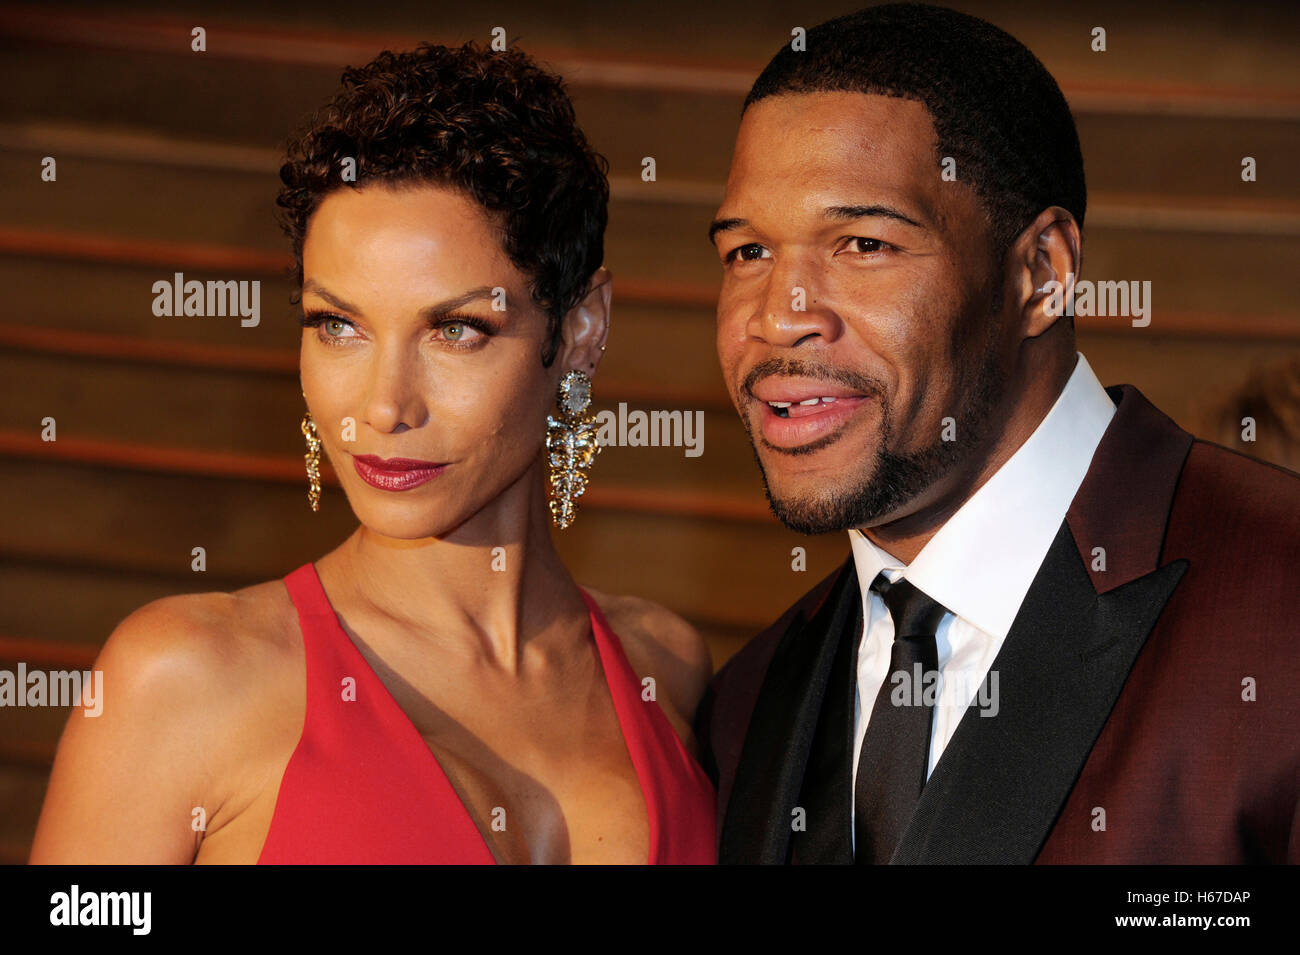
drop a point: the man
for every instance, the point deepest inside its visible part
(1067, 631)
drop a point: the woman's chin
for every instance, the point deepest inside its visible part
(407, 522)
(428, 512)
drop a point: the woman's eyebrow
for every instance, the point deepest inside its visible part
(311, 285)
(450, 305)
(438, 310)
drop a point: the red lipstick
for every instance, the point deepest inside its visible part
(395, 474)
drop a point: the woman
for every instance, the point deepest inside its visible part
(437, 688)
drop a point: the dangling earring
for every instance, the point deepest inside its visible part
(571, 446)
(312, 457)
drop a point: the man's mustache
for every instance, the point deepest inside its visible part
(799, 368)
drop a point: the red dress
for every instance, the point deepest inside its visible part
(362, 786)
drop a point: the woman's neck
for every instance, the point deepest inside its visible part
(485, 590)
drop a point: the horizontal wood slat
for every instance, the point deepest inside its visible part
(107, 514)
(198, 256)
(122, 250)
(732, 571)
(118, 250)
(176, 461)
(1243, 214)
(281, 361)
(157, 459)
(37, 754)
(48, 653)
(317, 47)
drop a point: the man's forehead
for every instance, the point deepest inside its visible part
(807, 151)
(858, 122)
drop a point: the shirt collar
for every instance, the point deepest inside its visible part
(982, 561)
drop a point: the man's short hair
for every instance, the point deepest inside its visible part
(996, 110)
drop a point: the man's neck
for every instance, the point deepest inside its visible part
(1020, 413)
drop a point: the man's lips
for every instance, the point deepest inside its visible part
(798, 411)
(799, 389)
(395, 474)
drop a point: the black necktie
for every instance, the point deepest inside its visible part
(896, 747)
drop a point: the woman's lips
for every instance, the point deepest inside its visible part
(395, 474)
(800, 424)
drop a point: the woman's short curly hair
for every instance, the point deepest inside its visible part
(494, 125)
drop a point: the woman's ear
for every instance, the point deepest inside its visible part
(586, 326)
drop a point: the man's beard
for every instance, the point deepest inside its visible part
(892, 480)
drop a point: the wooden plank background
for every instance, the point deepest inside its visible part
(176, 432)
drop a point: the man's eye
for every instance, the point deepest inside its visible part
(867, 246)
(746, 252)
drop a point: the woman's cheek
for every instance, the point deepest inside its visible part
(508, 426)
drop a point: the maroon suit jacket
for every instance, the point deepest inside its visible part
(1127, 731)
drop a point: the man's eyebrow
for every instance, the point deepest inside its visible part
(846, 213)
(838, 213)
(429, 312)
(722, 225)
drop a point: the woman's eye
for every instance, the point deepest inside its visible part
(459, 333)
(334, 327)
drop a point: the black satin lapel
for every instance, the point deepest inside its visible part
(1002, 780)
(769, 775)
(827, 792)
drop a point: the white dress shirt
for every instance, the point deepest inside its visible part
(981, 562)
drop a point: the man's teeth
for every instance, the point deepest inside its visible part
(809, 401)
(782, 408)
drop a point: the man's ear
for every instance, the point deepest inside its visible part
(1047, 258)
(586, 326)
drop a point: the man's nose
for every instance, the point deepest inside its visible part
(788, 313)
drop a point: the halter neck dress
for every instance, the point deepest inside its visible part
(363, 787)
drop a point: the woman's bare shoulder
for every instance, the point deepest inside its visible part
(202, 637)
(661, 644)
(198, 698)
(216, 661)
